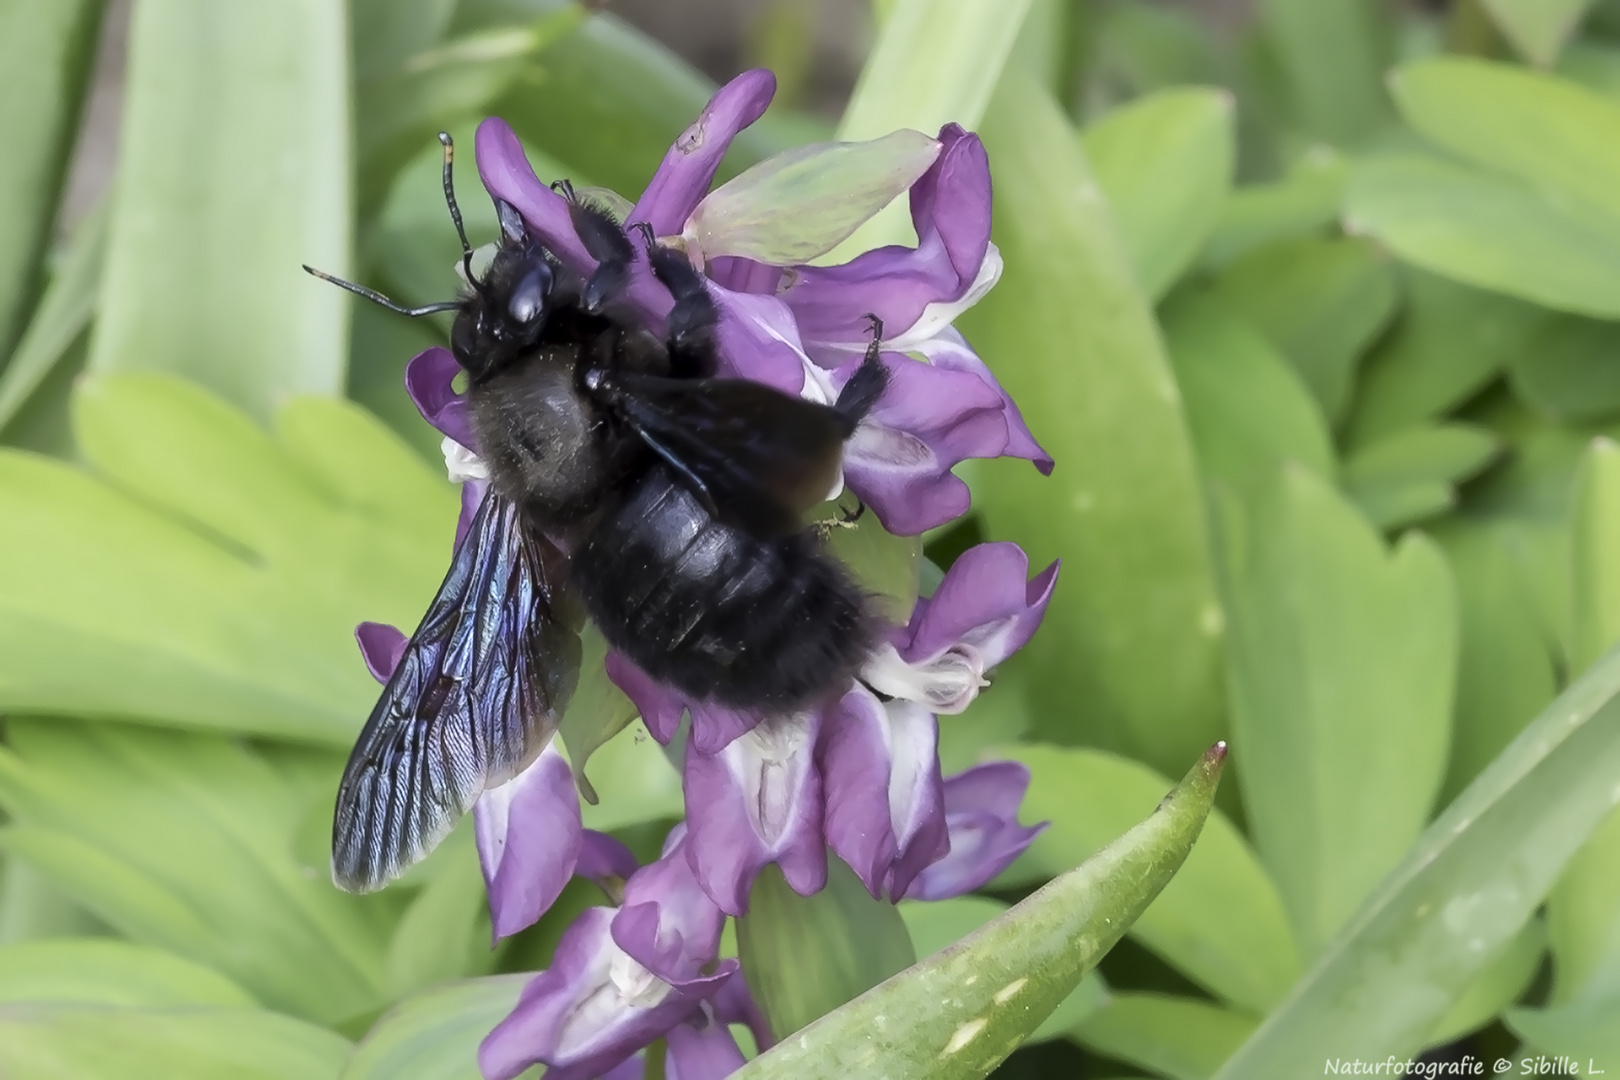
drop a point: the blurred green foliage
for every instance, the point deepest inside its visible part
(1318, 311)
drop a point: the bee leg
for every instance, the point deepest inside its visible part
(690, 334)
(846, 519)
(608, 245)
(864, 388)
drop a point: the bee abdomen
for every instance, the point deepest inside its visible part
(716, 612)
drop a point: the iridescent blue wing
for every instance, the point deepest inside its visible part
(476, 695)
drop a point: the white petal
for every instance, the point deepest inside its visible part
(461, 463)
(940, 314)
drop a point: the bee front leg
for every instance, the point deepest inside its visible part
(690, 334)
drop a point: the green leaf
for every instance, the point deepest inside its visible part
(1165, 163)
(1303, 203)
(61, 318)
(808, 955)
(1449, 342)
(1537, 128)
(1585, 1031)
(444, 933)
(64, 1042)
(219, 583)
(1340, 659)
(957, 1014)
(935, 925)
(934, 63)
(1394, 479)
(105, 971)
(630, 773)
(233, 168)
(1248, 408)
(1503, 982)
(1505, 669)
(184, 842)
(1459, 895)
(434, 1035)
(885, 566)
(1332, 55)
(1537, 28)
(1321, 302)
(1141, 47)
(1567, 369)
(46, 52)
(1182, 1038)
(1070, 335)
(1489, 231)
(1220, 921)
(597, 713)
(385, 33)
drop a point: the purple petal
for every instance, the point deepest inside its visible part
(759, 341)
(737, 274)
(916, 793)
(660, 707)
(381, 646)
(950, 350)
(983, 602)
(855, 767)
(981, 814)
(633, 1069)
(428, 380)
(508, 176)
(591, 1010)
(950, 207)
(734, 1004)
(756, 802)
(472, 495)
(702, 1049)
(929, 419)
(668, 924)
(603, 859)
(529, 838)
(688, 168)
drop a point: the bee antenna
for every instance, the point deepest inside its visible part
(450, 201)
(378, 298)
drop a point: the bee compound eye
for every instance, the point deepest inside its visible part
(528, 300)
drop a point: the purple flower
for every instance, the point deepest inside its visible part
(981, 816)
(621, 978)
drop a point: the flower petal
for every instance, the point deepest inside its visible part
(508, 176)
(899, 460)
(529, 837)
(605, 860)
(668, 924)
(758, 340)
(855, 768)
(981, 814)
(472, 495)
(591, 1010)
(984, 602)
(660, 707)
(800, 204)
(756, 802)
(381, 646)
(428, 379)
(734, 1004)
(949, 350)
(916, 793)
(950, 207)
(702, 1049)
(688, 168)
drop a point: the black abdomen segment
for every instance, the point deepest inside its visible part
(715, 611)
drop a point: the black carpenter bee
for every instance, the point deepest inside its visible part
(678, 497)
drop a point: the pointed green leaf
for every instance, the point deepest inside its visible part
(1340, 658)
(1332, 55)
(1567, 369)
(233, 168)
(1490, 231)
(46, 54)
(1248, 408)
(185, 842)
(957, 1014)
(1220, 921)
(445, 933)
(1303, 203)
(1321, 302)
(1537, 28)
(1448, 343)
(597, 713)
(66, 1042)
(1393, 479)
(1165, 163)
(1070, 335)
(106, 971)
(62, 316)
(630, 774)
(1459, 895)
(434, 1035)
(798, 205)
(1182, 1038)
(935, 925)
(808, 955)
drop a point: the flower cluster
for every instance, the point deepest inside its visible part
(860, 775)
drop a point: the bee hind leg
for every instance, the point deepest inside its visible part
(691, 328)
